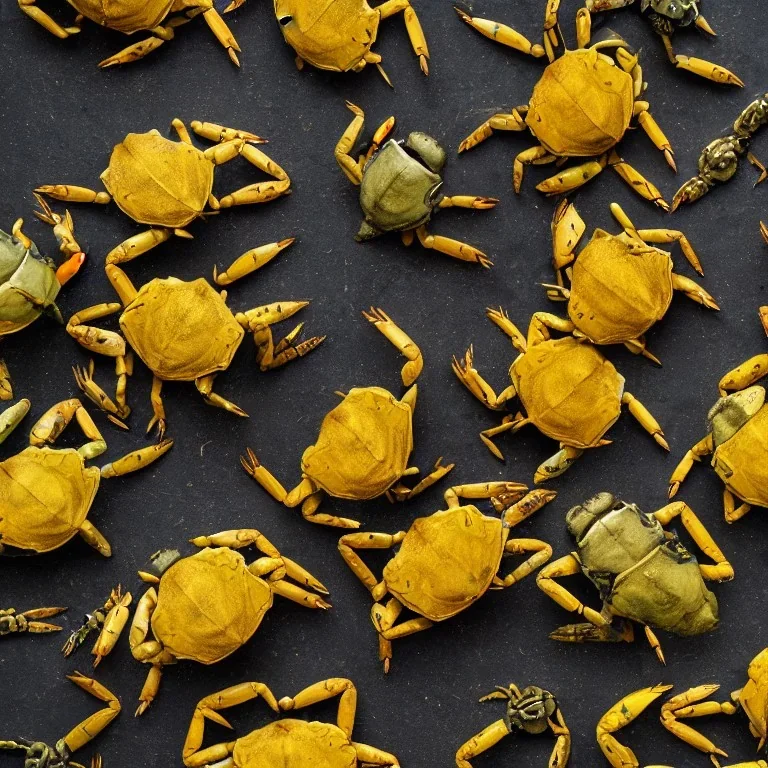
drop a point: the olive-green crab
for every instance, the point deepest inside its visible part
(183, 331)
(401, 187)
(643, 572)
(47, 492)
(169, 184)
(131, 16)
(289, 742)
(338, 35)
(38, 754)
(532, 710)
(363, 447)
(569, 391)
(206, 606)
(737, 442)
(29, 281)
(620, 285)
(581, 107)
(448, 560)
(666, 17)
(12, 622)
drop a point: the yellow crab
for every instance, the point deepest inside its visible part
(363, 447)
(169, 184)
(447, 561)
(131, 16)
(581, 107)
(47, 492)
(289, 743)
(206, 606)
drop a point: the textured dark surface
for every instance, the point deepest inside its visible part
(60, 116)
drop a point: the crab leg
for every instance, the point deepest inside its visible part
(401, 341)
(368, 755)
(654, 132)
(350, 542)
(115, 411)
(305, 493)
(204, 386)
(690, 704)
(14, 623)
(474, 202)
(570, 565)
(412, 26)
(453, 248)
(693, 291)
(732, 513)
(92, 726)
(722, 570)
(401, 492)
(477, 385)
(158, 409)
(209, 708)
(501, 121)
(112, 624)
(94, 339)
(645, 419)
(139, 244)
(501, 33)
(618, 716)
(44, 20)
(556, 465)
(704, 447)
(481, 742)
(353, 169)
(11, 417)
(322, 691)
(160, 34)
(136, 460)
(250, 261)
(745, 375)
(74, 194)
(54, 421)
(701, 67)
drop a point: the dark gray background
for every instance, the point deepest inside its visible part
(60, 117)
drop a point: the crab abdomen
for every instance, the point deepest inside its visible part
(181, 330)
(159, 182)
(570, 391)
(329, 34)
(45, 496)
(446, 562)
(363, 445)
(126, 16)
(666, 590)
(209, 605)
(742, 462)
(582, 105)
(295, 744)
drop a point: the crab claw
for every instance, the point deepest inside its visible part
(692, 190)
(619, 715)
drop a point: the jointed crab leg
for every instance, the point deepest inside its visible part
(52, 423)
(401, 341)
(413, 27)
(705, 447)
(454, 248)
(11, 417)
(208, 708)
(250, 261)
(14, 623)
(744, 375)
(501, 121)
(617, 717)
(645, 419)
(352, 168)
(44, 20)
(92, 726)
(501, 33)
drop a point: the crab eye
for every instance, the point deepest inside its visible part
(284, 21)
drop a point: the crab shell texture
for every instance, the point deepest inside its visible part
(570, 392)
(643, 572)
(28, 284)
(398, 191)
(582, 105)
(45, 496)
(754, 695)
(741, 461)
(329, 34)
(363, 445)
(618, 292)
(681, 13)
(124, 15)
(294, 744)
(446, 561)
(209, 605)
(157, 181)
(181, 330)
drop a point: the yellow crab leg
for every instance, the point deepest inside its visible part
(262, 191)
(654, 132)
(81, 734)
(401, 492)
(534, 156)
(566, 180)
(44, 20)
(540, 552)
(707, 69)
(619, 715)
(744, 375)
(508, 423)
(454, 248)
(322, 691)
(481, 742)
(400, 340)
(645, 419)
(138, 244)
(11, 417)
(136, 460)
(468, 201)
(250, 261)
(660, 236)
(469, 376)
(113, 626)
(704, 447)
(690, 704)
(556, 465)
(693, 291)
(354, 541)
(637, 181)
(93, 339)
(412, 26)
(368, 755)
(352, 168)
(501, 33)
(73, 194)
(732, 513)
(501, 121)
